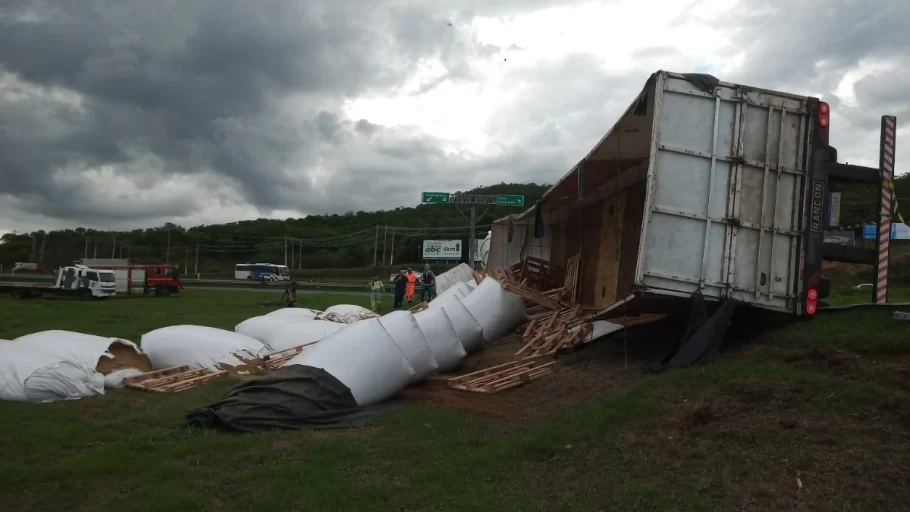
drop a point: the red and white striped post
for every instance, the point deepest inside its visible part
(886, 166)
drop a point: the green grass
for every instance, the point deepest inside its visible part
(130, 317)
(824, 401)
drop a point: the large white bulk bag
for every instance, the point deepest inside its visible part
(83, 349)
(347, 313)
(472, 284)
(258, 327)
(199, 347)
(459, 274)
(300, 332)
(458, 289)
(497, 311)
(440, 334)
(466, 327)
(28, 374)
(364, 358)
(402, 327)
(295, 313)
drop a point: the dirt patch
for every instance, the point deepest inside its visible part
(578, 378)
(124, 357)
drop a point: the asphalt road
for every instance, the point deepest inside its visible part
(277, 290)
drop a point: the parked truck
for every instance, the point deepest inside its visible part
(702, 186)
(77, 281)
(134, 278)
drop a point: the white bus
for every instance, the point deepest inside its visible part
(258, 271)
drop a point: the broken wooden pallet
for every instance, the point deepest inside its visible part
(172, 380)
(546, 336)
(502, 377)
(276, 360)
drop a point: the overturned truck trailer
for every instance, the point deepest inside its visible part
(701, 186)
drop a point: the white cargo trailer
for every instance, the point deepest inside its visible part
(701, 186)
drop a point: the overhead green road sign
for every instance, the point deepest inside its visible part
(510, 200)
(434, 197)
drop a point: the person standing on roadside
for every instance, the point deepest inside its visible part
(412, 278)
(376, 289)
(290, 294)
(400, 284)
(428, 279)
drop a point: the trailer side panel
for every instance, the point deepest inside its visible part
(725, 186)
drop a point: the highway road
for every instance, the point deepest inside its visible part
(277, 290)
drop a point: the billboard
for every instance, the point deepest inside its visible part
(442, 249)
(840, 238)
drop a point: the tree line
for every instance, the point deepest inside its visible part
(350, 240)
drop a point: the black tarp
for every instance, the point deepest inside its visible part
(293, 397)
(704, 335)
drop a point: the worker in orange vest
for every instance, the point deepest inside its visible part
(409, 291)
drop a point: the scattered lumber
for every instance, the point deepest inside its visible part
(544, 336)
(276, 360)
(502, 377)
(172, 380)
(530, 295)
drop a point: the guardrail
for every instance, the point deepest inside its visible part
(228, 283)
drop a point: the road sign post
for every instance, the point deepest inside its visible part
(473, 200)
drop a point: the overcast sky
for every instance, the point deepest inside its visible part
(132, 113)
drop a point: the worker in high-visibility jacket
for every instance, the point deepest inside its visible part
(376, 289)
(409, 291)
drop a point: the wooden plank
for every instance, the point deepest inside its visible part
(155, 374)
(532, 296)
(480, 373)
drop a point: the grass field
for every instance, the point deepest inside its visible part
(804, 416)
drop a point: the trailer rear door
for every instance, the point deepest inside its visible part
(724, 195)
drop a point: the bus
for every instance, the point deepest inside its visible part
(258, 271)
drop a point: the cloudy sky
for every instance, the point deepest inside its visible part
(132, 113)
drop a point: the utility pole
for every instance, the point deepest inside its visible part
(167, 254)
(300, 259)
(385, 236)
(473, 240)
(285, 251)
(43, 240)
(292, 251)
(392, 251)
(86, 249)
(186, 259)
(114, 249)
(34, 241)
(197, 260)
(375, 245)
(96, 251)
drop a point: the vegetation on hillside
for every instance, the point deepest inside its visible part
(324, 241)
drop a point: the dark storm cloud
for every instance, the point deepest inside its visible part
(196, 86)
(812, 42)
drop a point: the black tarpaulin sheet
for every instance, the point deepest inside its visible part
(704, 335)
(293, 397)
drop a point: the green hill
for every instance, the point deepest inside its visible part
(326, 241)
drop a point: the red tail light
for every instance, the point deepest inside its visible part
(812, 293)
(812, 301)
(824, 121)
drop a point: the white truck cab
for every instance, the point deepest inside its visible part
(97, 283)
